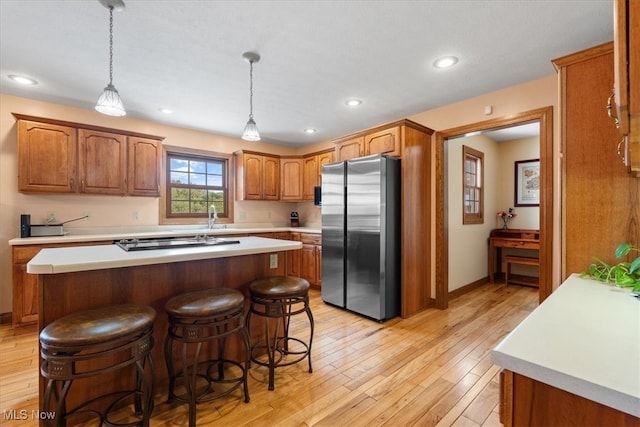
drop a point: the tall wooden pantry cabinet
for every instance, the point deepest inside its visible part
(601, 199)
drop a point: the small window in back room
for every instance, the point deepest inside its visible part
(473, 186)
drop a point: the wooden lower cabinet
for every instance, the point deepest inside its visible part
(25, 285)
(527, 402)
(306, 262)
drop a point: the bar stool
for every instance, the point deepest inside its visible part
(280, 298)
(93, 342)
(199, 317)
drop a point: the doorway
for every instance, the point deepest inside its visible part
(544, 118)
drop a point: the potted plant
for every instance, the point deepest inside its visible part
(625, 274)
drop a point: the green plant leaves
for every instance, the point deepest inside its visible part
(624, 274)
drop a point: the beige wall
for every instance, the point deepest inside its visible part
(108, 210)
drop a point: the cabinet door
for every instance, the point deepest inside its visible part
(310, 179)
(308, 265)
(143, 171)
(25, 298)
(323, 159)
(350, 149)
(102, 162)
(293, 258)
(46, 157)
(291, 179)
(270, 178)
(319, 266)
(384, 142)
(252, 165)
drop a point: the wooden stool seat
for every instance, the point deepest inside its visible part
(97, 326)
(279, 287)
(280, 298)
(205, 303)
(93, 342)
(195, 318)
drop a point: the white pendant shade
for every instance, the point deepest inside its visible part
(110, 103)
(251, 132)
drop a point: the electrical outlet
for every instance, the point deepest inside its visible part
(86, 216)
(273, 261)
(51, 218)
(135, 216)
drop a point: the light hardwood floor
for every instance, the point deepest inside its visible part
(430, 369)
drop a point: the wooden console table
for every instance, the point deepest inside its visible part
(509, 238)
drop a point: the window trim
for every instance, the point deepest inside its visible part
(168, 150)
(474, 218)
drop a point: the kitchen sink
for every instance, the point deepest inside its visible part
(170, 243)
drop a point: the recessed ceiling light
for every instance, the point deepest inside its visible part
(353, 102)
(23, 80)
(445, 62)
(310, 131)
(165, 110)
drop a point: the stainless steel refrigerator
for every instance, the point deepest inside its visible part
(361, 235)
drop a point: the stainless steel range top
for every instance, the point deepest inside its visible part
(170, 243)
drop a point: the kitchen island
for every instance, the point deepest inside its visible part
(84, 277)
(574, 361)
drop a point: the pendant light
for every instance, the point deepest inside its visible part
(251, 132)
(109, 102)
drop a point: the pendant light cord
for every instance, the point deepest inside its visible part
(110, 45)
(251, 89)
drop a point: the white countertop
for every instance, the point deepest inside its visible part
(95, 235)
(84, 258)
(584, 339)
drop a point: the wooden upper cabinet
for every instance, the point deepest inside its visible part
(257, 176)
(47, 157)
(291, 179)
(626, 86)
(350, 148)
(143, 171)
(102, 162)
(55, 156)
(383, 142)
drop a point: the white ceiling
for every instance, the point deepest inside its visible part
(187, 56)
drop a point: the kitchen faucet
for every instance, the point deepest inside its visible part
(212, 219)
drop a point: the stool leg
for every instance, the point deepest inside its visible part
(247, 361)
(272, 345)
(221, 346)
(190, 380)
(60, 400)
(310, 316)
(144, 390)
(168, 358)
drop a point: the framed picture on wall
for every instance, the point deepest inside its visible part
(527, 183)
